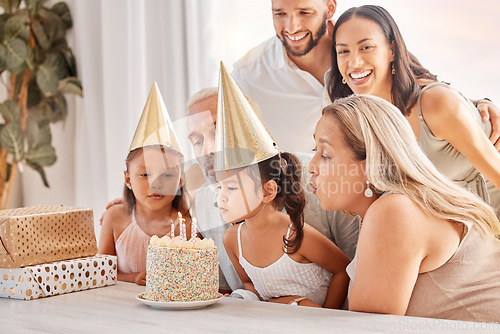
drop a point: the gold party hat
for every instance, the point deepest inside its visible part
(241, 139)
(155, 126)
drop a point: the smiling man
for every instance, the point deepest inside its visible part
(285, 74)
(301, 28)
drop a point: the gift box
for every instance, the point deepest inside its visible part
(45, 233)
(56, 278)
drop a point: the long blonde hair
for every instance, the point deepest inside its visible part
(376, 130)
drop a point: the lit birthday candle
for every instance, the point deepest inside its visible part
(194, 229)
(182, 227)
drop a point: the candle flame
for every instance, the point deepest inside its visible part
(180, 217)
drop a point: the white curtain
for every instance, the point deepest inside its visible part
(121, 47)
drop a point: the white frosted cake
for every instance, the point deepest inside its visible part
(182, 270)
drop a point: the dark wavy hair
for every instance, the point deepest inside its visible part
(408, 70)
(286, 170)
(179, 203)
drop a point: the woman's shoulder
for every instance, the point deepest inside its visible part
(386, 200)
(441, 107)
(440, 98)
(394, 211)
(394, 221)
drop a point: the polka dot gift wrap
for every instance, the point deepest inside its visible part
(56, 278)
(45, 233)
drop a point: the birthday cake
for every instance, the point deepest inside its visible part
(180, 270)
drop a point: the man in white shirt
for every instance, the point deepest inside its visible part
(202, 115)
(285, 75)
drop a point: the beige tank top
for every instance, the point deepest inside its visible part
(132, 248)
(454, 164)
(466, 287)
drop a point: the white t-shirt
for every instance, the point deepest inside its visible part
(290, 99)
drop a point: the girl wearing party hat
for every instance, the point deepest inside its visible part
(153, 193)
(276, 255)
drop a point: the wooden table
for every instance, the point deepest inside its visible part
(114, 309)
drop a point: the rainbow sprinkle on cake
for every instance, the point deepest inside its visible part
(182, 270)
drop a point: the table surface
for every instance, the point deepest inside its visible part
(115, 309)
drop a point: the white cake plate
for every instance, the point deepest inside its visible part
(177, 305)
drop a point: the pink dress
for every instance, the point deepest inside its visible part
(132, 248)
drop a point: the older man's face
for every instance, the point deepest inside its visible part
(201, 133)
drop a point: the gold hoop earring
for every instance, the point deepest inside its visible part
(393, 70)
(344, 80)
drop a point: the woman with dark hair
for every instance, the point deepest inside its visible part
(369, 56)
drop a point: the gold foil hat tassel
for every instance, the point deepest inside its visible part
(241, 139)
(155, 126)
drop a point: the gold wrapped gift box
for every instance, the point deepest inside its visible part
(56, 278)
(45, 233)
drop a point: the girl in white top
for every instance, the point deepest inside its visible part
(276, 255)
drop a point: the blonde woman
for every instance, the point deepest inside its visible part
(427, 246)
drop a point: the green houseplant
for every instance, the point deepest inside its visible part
(37, 68)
